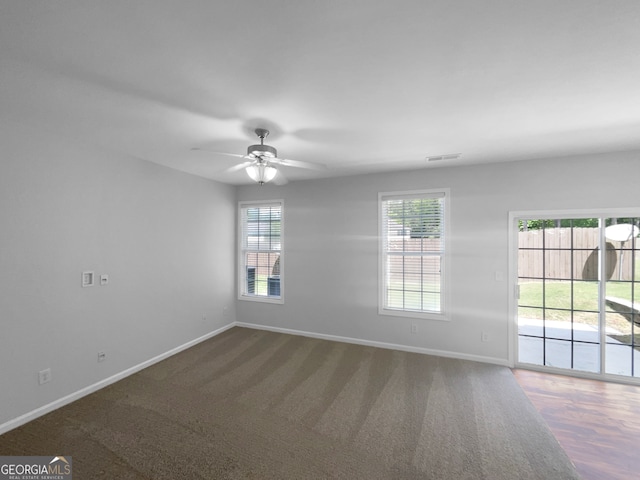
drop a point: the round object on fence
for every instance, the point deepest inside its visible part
(621, 232)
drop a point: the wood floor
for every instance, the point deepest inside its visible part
(597, 423)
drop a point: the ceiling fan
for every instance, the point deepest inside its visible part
(261, 161)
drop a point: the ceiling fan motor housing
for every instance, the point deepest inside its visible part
(262, 151)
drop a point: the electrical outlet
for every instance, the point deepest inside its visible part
(414, 328)
(102, 356)
(44, 376)
(484, 337)
(225, 311)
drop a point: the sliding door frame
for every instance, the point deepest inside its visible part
(514, 218)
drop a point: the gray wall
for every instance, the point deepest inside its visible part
(331, 247)
(168, 242)
(166, 239)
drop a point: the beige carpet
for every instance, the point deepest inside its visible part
(262, 405)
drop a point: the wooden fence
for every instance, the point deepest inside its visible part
(572, 253)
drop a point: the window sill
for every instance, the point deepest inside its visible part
(441, 317)
(261, 299)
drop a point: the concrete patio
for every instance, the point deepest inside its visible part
(618, 360)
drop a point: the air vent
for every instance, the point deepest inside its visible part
(449, 156)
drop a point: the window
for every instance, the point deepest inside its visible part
(412, 253)
(261, 262)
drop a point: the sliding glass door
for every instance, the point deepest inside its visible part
(579, 294)
(622, 297)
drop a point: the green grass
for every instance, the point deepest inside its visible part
(582, 296)
(261, 286)
(412, 297)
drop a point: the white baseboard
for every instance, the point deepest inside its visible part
(371, 343)
(38, 412)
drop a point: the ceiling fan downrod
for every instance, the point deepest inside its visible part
(262, 150)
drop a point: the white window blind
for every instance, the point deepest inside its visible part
(261, 251)
(412, 252)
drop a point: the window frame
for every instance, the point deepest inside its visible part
(445, 264)
(242, 267)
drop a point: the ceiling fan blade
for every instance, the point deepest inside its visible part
(238, 167)
(298, 164)
(237, 155)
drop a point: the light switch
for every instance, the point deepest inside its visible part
(104, 279)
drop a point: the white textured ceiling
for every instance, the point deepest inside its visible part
(358, 85)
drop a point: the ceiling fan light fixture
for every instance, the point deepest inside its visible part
(261, 172)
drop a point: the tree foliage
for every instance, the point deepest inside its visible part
(540, 224)
(419, 217)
